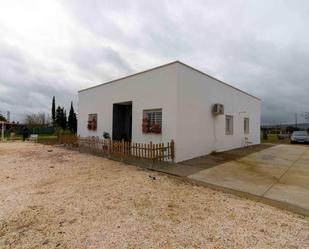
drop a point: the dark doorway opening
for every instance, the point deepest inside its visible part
(122, 121)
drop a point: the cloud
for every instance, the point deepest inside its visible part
(59, 47)
(93, 60)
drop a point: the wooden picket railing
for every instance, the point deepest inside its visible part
(154, 152)
(68, 139)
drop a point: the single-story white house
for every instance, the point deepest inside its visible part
(171, 102)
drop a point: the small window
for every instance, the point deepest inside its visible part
(152, 121)
(228, 125)
(246, 125)
(92, 121)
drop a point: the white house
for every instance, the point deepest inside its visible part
(173, 101)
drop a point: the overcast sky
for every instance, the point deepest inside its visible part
(53, 47)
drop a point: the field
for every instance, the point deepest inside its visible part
(51, 197)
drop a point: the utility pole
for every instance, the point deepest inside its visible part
(2, 132)
(8, 116)
(296, 120)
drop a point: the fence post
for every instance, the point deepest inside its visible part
(122, 150)
(78, 143)
(109, 147)
(173, 150)
(154, 152)
(150, 150)
(162, 152)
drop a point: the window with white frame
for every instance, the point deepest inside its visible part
(246, 125)
(228, 125)
(152, 121)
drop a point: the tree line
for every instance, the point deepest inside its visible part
(60, 118)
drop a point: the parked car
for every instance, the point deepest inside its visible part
(300, 137)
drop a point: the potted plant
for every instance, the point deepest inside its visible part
(106, 135)
(145, 125)
(89, 125)
(105, 144)
(155, 128)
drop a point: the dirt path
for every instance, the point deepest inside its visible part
(54, 198)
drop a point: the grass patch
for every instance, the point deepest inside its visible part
(273, 138)
(40, 136)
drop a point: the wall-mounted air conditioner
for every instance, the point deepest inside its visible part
(218, 109)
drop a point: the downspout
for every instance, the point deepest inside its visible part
(215, 132)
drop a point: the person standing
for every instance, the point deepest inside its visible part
(25, 133)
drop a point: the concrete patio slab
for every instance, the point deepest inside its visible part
(254, 179)
(302, 167)
(296, 177)
(278, 174)
(291, 194)
(277, 155)
(293, 187)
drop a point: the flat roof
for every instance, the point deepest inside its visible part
(164, 65)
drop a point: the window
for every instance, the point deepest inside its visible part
(92, 121)
(228, 125)
(152, 121)
(246, 125)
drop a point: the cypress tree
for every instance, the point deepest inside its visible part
(53, 111)
(64, 119)
(58, 117)
(72, 121)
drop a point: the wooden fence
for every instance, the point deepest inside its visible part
(154, 152)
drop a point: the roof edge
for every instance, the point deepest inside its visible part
(130, 75)
(220, 81)
(167, 64)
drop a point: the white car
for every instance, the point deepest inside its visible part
(300, 137)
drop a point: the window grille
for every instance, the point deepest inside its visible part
(152, 121)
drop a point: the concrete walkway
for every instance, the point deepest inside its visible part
(278, 175)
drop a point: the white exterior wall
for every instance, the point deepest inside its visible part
(151, 90)
(198, 131)
(186, 97)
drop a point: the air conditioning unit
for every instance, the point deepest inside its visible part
(218, 109)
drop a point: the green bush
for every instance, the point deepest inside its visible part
(59, 132)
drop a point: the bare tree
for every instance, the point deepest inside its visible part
(37, 120)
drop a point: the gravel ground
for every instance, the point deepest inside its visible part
(51, 197)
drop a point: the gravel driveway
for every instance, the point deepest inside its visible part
(55, 198)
